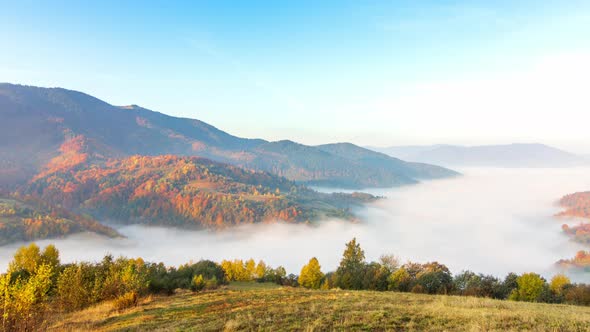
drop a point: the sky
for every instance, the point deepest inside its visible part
(369, 72)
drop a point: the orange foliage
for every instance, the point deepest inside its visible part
(576, 205)
(170, 190)
(581, 260)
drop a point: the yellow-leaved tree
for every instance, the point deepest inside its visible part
(311, 275)
(558, 283)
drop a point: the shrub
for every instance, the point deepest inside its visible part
(198, 283)
(24, 301)
(127, 300)
(211, 283)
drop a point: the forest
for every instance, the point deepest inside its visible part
(26, 219)
(577, 205)
(37, 287)
(183, 191)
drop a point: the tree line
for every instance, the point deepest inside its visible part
(37, 285)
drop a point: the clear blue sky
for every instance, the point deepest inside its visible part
(370, 72)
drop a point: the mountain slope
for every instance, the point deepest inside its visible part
(386, 164)
(511, 155)
(36, 122)
(28, 219)
(186, 192)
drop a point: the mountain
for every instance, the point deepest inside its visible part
(186, 192)
(38, 124)
(511, 155)
(386, 165)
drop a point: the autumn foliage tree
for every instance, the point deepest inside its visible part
(25, 288)
(530, 288)
(311, 275)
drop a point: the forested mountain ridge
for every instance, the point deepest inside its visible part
(26, 219)
(36, 122)
(186, 192)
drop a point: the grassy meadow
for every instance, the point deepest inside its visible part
(249, 306)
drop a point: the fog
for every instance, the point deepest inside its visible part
(489, 220)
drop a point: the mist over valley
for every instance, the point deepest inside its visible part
(489, 220)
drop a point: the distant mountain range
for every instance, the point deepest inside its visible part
(37, 122)
(510, 155)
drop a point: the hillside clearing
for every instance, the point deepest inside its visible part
(239, 307)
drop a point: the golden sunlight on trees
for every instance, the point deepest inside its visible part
(37, 286)
(530, 288)
(558, 283)
(311, 275)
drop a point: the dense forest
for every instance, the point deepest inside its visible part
(37, 287)
(26, 219)
(577, 205)
(182, 191)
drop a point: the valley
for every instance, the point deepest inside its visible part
(294, 166)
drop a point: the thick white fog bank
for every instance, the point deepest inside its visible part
(489, 220)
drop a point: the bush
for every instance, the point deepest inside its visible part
(211, 283)
(198, 283)
(127, 300)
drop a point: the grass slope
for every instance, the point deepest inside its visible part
(254, 307)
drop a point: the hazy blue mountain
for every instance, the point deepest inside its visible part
(510, 155)
(385, 163)
(37, 122)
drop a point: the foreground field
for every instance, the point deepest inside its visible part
(265, 307)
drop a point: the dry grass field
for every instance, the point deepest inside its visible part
(265, 307)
